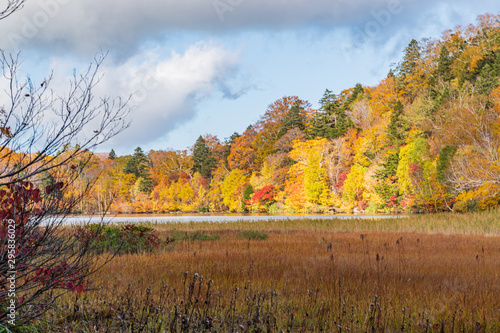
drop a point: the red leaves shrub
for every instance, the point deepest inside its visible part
(41, 259)
(341, 179)
(265, 196)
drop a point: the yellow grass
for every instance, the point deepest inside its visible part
(405, 275)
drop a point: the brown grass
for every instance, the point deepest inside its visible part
(299, 279)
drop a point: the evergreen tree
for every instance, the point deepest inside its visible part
(329, 100)
(137, 164)
(145, 185)
(444, 65)
(358, 90)
(247, 196)
(411, 55)
(389, 166)
(339, 123)
(203, 161)
(488, 78)
(112, 154)
(396, 133)
(331, 121)
(445, 156)
(293, 119)
(319, 126)
(397, 128)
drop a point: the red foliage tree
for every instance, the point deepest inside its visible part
(265, 196)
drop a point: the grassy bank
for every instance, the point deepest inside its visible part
(417, 274)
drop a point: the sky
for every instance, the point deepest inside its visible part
(194, 67)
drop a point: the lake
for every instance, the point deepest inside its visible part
(169, 218)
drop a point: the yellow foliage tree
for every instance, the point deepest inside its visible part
(232, 190)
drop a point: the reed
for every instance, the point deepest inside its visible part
(399, 275)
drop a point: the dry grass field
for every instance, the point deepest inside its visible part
(429, 273)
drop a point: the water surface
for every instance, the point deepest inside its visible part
(186, 218)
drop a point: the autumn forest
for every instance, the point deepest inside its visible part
(425, 139)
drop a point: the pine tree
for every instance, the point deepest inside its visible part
(331, 121)
(445, 156)
(247, 196)
(339, 123)
(319, 126)
(411, 55)
(329, 100)
(145, 185)
(137, 164)
(293, 119)
(397, 128)
(112, 154)
(444, 65)
(203, 161)
(488, 79)
(358, 90)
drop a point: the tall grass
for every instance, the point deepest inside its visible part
(398, 275)
(480, 223)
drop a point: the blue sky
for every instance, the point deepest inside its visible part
(213, 66)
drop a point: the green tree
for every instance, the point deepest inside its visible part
(247, 196)
(319, 126)
(444, 65)
(356, 92)
(333, 115)
(112, 154)
(203, 161)
(293, 119)
(137, 164)
(488, 78)
(397, 129)
(444, 161)
(411, 55)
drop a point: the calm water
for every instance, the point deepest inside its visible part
(168, 218)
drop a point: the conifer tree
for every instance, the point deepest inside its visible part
(112, 154)
(293, 119)
(444, 65)
(137, 164)
(396, 131)
(411, 55)
(319, 126)
(203, 161)
(489, 77)
(228, 145)
(331, 121)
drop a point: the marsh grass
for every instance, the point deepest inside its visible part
(480, 223)
(252, 234)
(398, 275)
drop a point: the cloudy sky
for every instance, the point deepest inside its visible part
(213, 66)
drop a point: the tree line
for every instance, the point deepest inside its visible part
(425, 139)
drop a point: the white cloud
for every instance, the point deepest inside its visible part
(165, 92)
(84, 26)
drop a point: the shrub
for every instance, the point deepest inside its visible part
(252, 234)
(128, 238)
